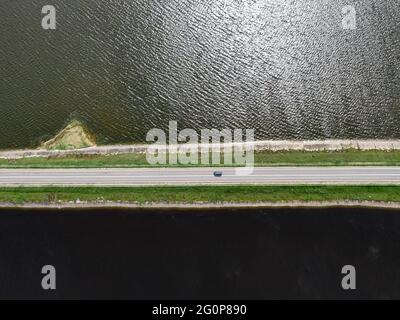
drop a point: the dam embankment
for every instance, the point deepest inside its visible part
(266, 145)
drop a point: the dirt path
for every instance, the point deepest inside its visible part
(272, 145)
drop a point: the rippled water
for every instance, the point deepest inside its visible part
(285, 68)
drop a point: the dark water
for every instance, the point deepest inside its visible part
(200, 254)
(285, 68)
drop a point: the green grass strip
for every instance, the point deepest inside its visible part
(262, 158)
(209, 194)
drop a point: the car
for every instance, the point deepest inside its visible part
(217, 173)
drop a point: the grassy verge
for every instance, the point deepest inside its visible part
(212, 194)
(262, 158)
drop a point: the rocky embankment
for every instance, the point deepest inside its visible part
(80, 137)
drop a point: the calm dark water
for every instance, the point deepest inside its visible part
(200, 254)
(285, 68)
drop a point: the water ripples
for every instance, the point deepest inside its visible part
(284, 68)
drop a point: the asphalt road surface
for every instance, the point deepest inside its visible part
(196, 176)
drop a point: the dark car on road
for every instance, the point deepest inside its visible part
(217, 173)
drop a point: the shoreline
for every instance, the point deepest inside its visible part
(261, 145)
(204, 206)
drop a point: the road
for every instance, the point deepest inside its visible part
(196, 176)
